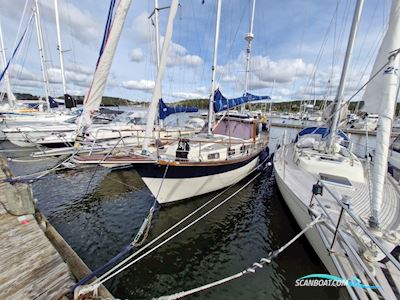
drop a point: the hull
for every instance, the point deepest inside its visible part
(300, 213)
(182, 182)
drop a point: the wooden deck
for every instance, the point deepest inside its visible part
(36, 262)
(31, 268)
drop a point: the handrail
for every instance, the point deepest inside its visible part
(339, 231)
(363, 227)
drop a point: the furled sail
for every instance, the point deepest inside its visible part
(112, 33)
(164, 110)
(374, 102)
(160, 74)
(221, 103)
(380, 97)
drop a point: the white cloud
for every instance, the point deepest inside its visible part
(19, 72)
(284, 70)
(178, 55)
(136, 55)
(264, 71)
(229, 78)
(188, 95)
(83, 26)
(143, 31)
(142, 85)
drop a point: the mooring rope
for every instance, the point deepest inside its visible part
(252, 269)
(79, 289)
(139, 239)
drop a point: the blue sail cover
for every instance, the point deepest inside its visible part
(164, 111)
(221, 103)
(323, 131)
(53, 103)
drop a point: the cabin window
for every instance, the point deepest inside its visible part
(231, 151)
(213, 156)
(242, 149)
(338, 180)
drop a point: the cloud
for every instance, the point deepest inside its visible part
(19, 72)
(141, 85)
(142, 29)
(178, 55)
(188, 95)
(71, 77)
(284, 70)
(83, 26)
(136, 55)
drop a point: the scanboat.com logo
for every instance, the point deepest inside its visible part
(330, 280)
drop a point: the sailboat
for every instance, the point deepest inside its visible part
(63, 134)
(17, 114)
(226, 151)
(358, 202)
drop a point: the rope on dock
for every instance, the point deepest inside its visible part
(255, 266)
(79, 289)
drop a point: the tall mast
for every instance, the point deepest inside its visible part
(272, 90)
(339, 95)
(59, 47)
(213, 69)
(157, 32)
(249, 38)
(160, 73)
(10, 94)
(36, 11)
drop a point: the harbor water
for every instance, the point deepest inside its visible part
(99, 211)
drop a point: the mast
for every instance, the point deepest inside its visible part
(10, 94)
(157, 32)
(380, 97)
(59, 47)
(340, 91)
(249, 38)
(36, 12)
(157, 87)
(272, 90)
(213, 69)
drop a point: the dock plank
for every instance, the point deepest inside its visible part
(32, 268)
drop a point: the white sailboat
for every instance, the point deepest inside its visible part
(319, 176)
(94, 138)
(225, 152)
(17, 114)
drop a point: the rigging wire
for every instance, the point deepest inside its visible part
(124, 264)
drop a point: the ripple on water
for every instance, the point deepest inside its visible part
(99, 213)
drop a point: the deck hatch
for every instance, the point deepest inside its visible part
(338, 180)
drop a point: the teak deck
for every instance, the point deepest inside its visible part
(31, 268)
(35, 263)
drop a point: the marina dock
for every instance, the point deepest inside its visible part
(36, 261)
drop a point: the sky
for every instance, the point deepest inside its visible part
(297, 51)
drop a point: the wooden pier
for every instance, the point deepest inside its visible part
(36, 262)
